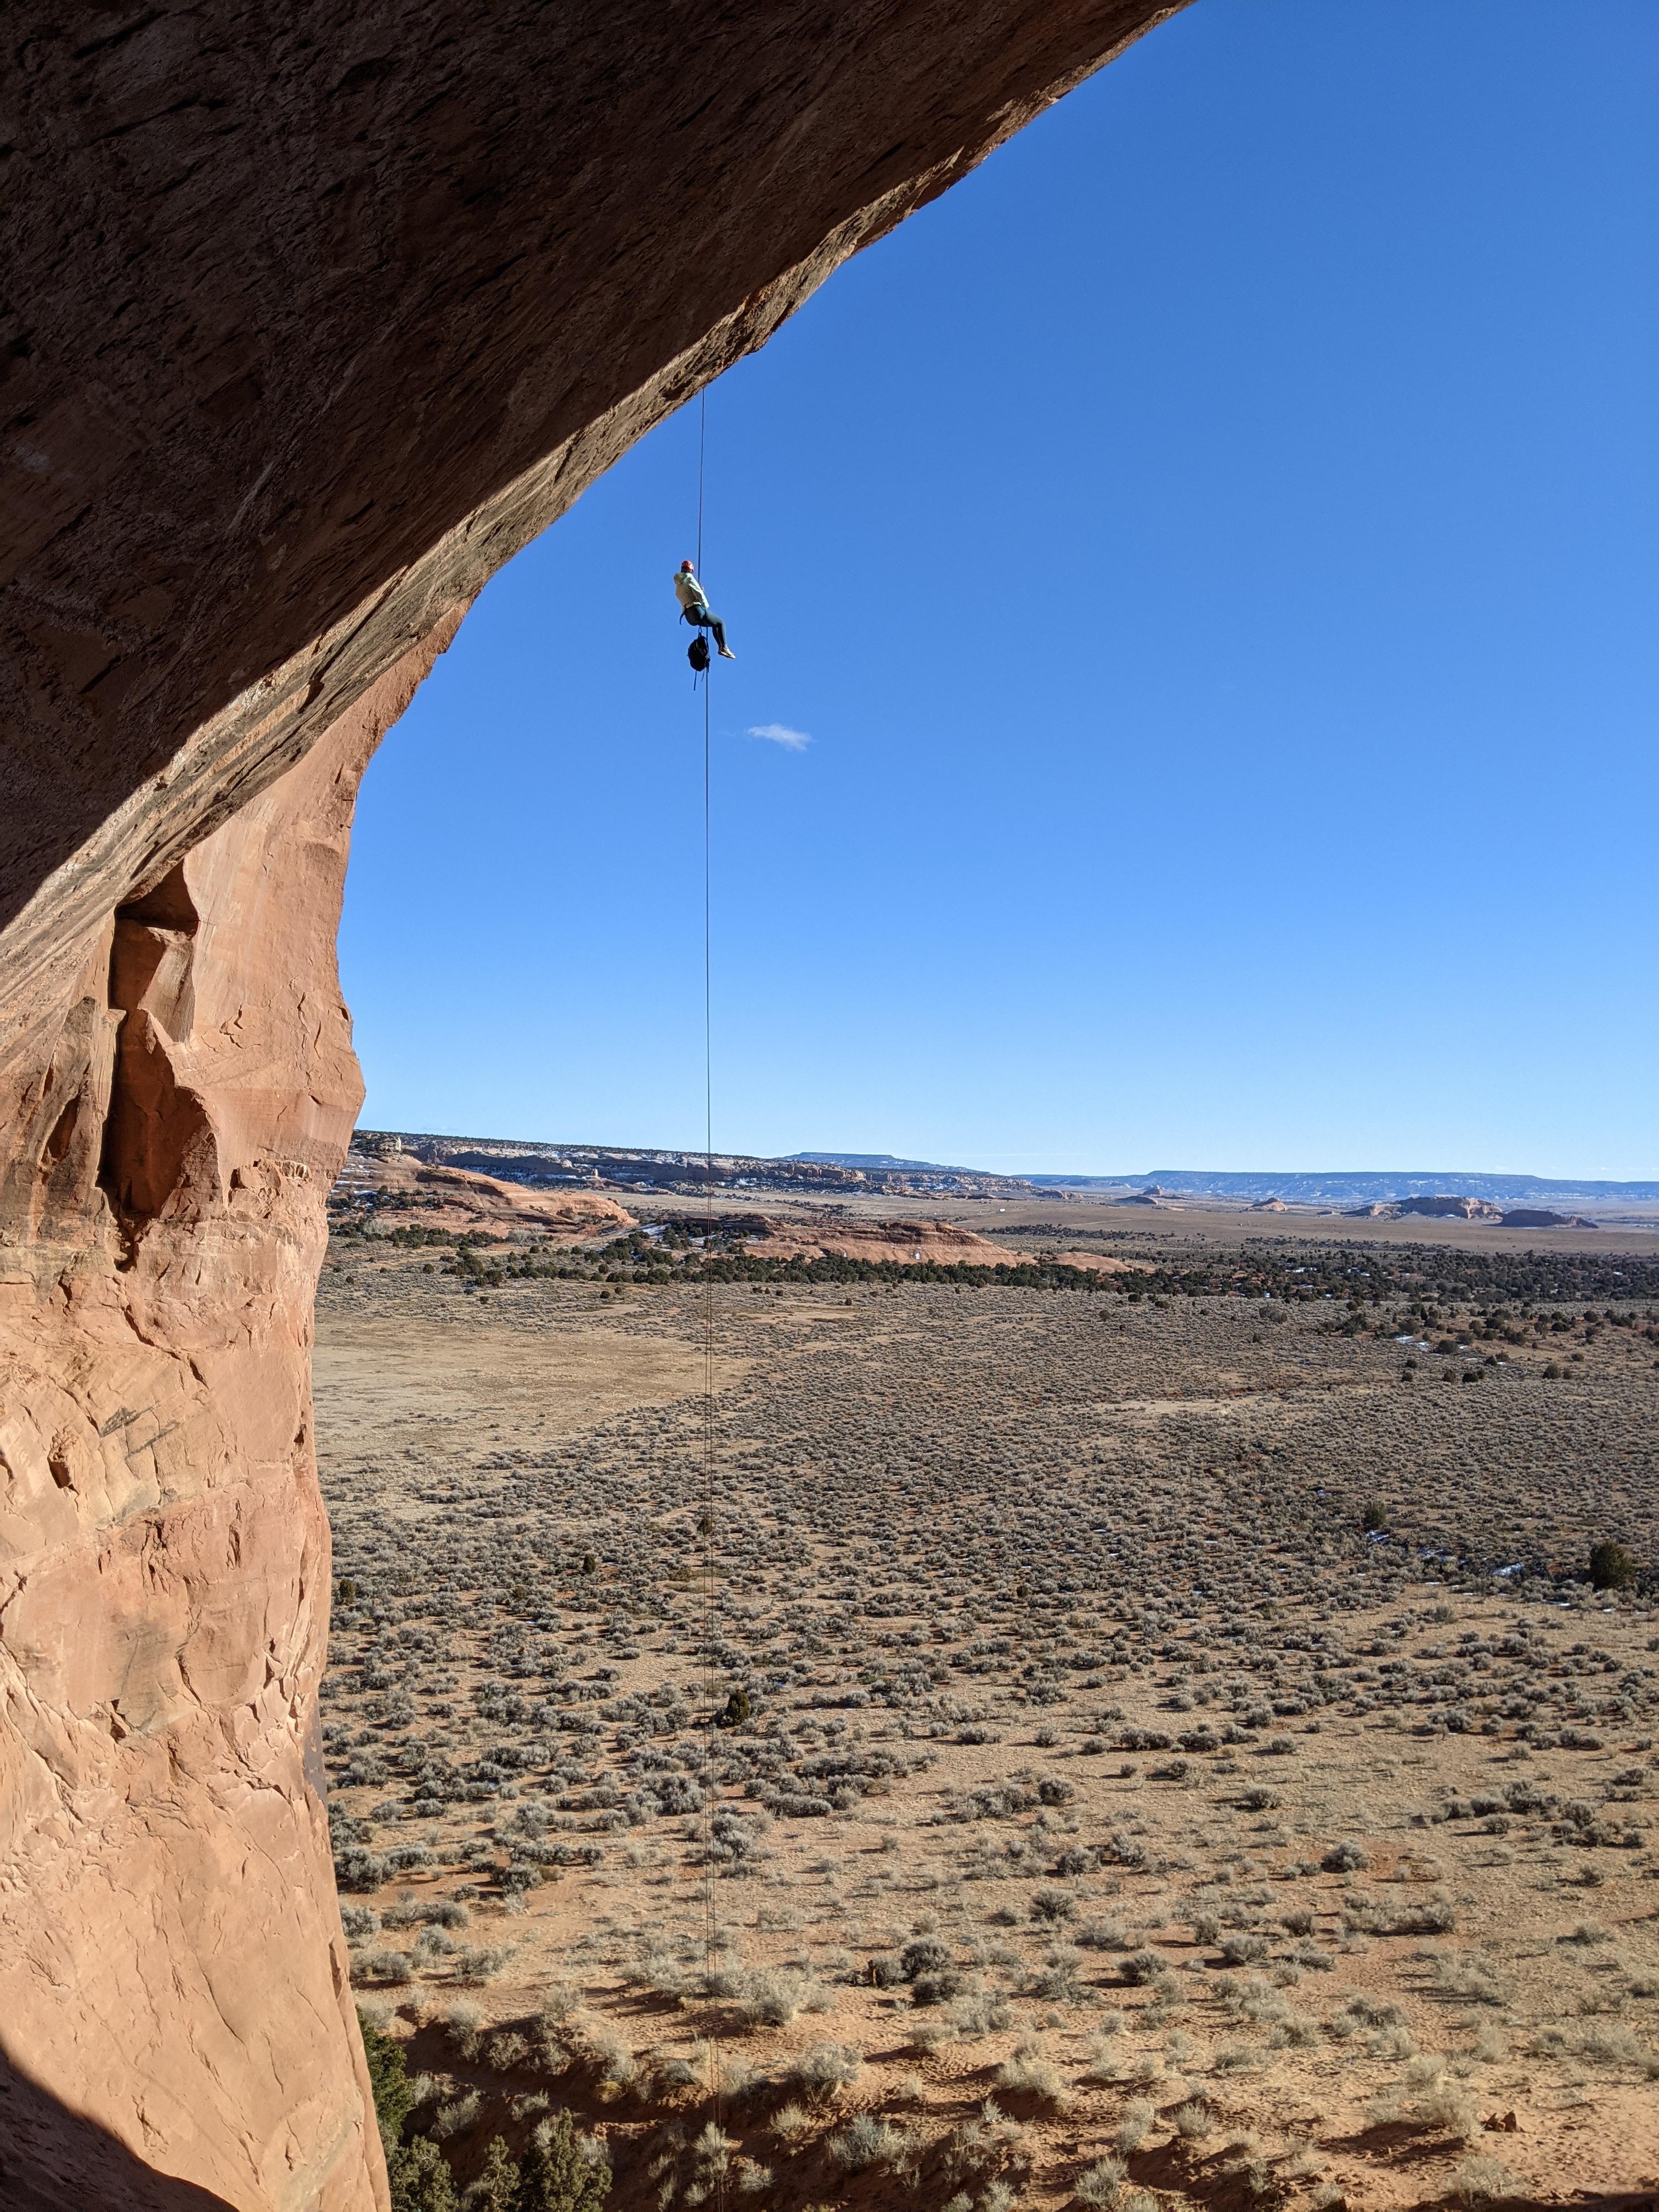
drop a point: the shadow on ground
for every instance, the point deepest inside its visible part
(53, 2160)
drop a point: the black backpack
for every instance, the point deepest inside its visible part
(698, 653)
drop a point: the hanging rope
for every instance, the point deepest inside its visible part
(703, 441)
(710, 1927)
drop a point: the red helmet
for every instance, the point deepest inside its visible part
(685, 564)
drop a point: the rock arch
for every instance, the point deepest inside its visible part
(317, 313)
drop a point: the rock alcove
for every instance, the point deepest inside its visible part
(317, 314)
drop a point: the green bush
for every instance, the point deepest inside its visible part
(496, 2189)
(419, 2178)
(1611, 1566)
(394, 2099)
(418, 2172)
(559, 2173)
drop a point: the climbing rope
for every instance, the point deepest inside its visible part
(710, 1925)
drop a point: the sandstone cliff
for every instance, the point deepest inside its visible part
(171, 1963)
(316, 313)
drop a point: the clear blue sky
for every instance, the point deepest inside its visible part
(1214, 554)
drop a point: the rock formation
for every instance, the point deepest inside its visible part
(316, 313)
(1098, 1263)
(410, 1195)
(906, 1244)
(1451, 1208)
(173, 1971)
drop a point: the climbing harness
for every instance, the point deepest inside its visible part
(700, 616)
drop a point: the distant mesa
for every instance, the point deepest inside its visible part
(1443, 1207)
(886, 1175)
(651, 1171)
(1538, 1216)
(874, 1162)
(648, 1172)
(1464, 1209)
(1359, 1189)
(1449, 1208)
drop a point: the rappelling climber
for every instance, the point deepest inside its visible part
(695, 610)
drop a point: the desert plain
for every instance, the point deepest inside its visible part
(895, 1741)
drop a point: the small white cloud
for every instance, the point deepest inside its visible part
(780, 733)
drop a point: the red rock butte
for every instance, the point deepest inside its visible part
(316, 314)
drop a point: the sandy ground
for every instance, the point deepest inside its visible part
(382, 1387)
(1107, 1793)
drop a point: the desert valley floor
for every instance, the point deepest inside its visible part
(1169, 1752)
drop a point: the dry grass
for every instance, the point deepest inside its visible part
(1098, 1764)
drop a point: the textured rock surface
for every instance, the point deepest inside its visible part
(315, 315)
(171, 1960)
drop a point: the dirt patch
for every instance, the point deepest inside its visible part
(380, 1384)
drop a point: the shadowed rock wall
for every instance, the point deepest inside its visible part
(315, 315)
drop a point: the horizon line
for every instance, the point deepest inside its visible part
(1139, 1176)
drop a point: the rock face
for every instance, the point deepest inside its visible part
(317, 314)
(172, 1976)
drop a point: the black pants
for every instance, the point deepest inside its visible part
(708, 620)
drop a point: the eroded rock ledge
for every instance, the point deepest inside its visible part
(316, 314)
